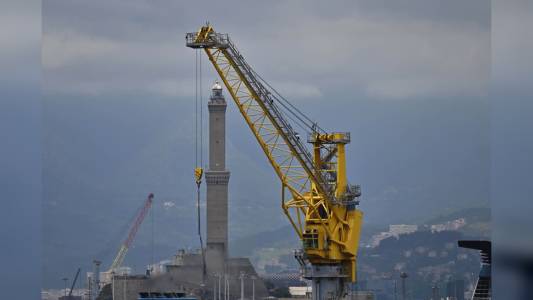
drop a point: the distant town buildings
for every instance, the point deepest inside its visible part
(449, 226)
(396, 230)
(376, 239)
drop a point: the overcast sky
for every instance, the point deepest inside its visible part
(306, 48)
(383, 52)
(20, 151)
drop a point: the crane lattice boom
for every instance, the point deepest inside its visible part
(119, 258)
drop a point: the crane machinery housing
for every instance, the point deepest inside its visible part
(322, 207)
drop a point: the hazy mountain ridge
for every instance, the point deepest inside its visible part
(429, 258)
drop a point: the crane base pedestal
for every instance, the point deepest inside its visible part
(327, 281)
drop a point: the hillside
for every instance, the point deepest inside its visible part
(272, 250)
(428, 258)
(478, 221)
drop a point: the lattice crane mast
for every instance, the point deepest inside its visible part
(323, 207)
(119, 258)
(74, 282)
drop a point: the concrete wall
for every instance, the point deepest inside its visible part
(217, 207)
(188, 278)
(216, 258)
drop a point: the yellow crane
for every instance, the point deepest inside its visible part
(322, 206)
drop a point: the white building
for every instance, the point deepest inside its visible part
(394, 231)
(300, 291)
(450, 225)
(397, 230)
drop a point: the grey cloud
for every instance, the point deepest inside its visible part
(512, 63)
(19, 44)
(457, 11)
(323, 47)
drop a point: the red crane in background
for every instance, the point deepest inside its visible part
(117, 262)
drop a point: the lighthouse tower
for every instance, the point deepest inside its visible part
(217, 178)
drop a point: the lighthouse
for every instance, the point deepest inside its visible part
(217, 178)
